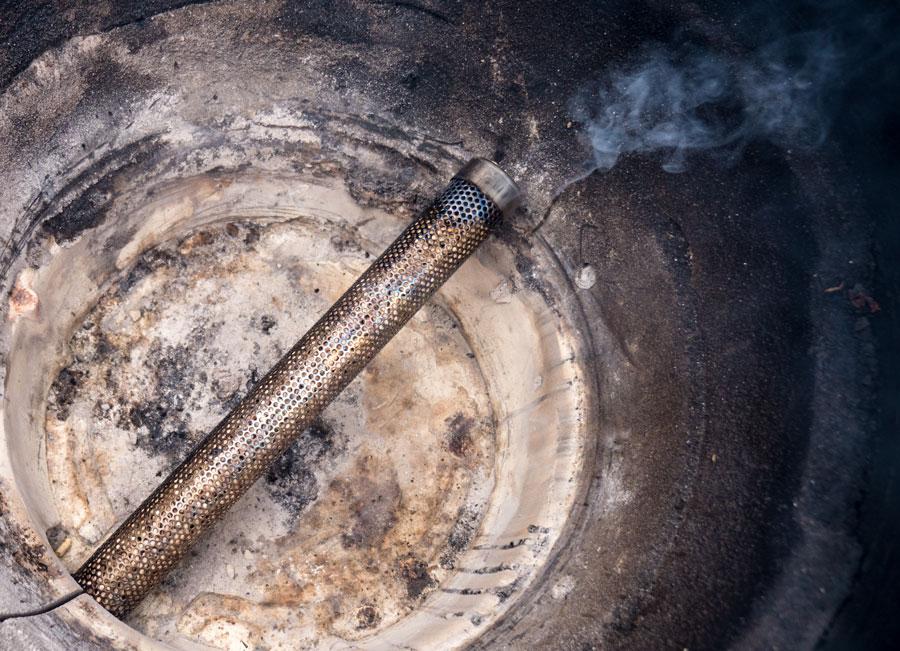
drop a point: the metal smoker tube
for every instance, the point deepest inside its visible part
(226, 463)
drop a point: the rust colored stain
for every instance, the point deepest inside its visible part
(23, 300)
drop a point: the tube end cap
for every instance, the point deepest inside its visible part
(493, 181)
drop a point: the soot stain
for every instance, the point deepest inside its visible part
(253, 233)
(156, 431)
(459, 434)
(291, 479)
(373, 508)
(150, 261)
(527, 267)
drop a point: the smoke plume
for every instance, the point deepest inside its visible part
(679, 98)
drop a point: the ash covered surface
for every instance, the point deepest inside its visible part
(355, 508)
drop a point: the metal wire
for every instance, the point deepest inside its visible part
(226, 463)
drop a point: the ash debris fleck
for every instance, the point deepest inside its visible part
(367, 617)
(512, 544)
(266, 323)
(252, 379)
(253, 233)
(505, 592)
(494, 569)
(862, 300)
(56, 535)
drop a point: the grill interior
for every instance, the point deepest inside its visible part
(649, 413)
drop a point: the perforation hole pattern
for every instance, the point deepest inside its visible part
(234, 455)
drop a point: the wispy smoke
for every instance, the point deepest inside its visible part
(678, 100)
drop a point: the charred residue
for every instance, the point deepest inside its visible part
(160, 414)
(84, 212)
(147, 371)
(150, 261)
(505, 592)
(80, 204)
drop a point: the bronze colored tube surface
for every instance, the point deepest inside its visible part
(225, 464)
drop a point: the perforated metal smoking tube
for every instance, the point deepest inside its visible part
(138, 555)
